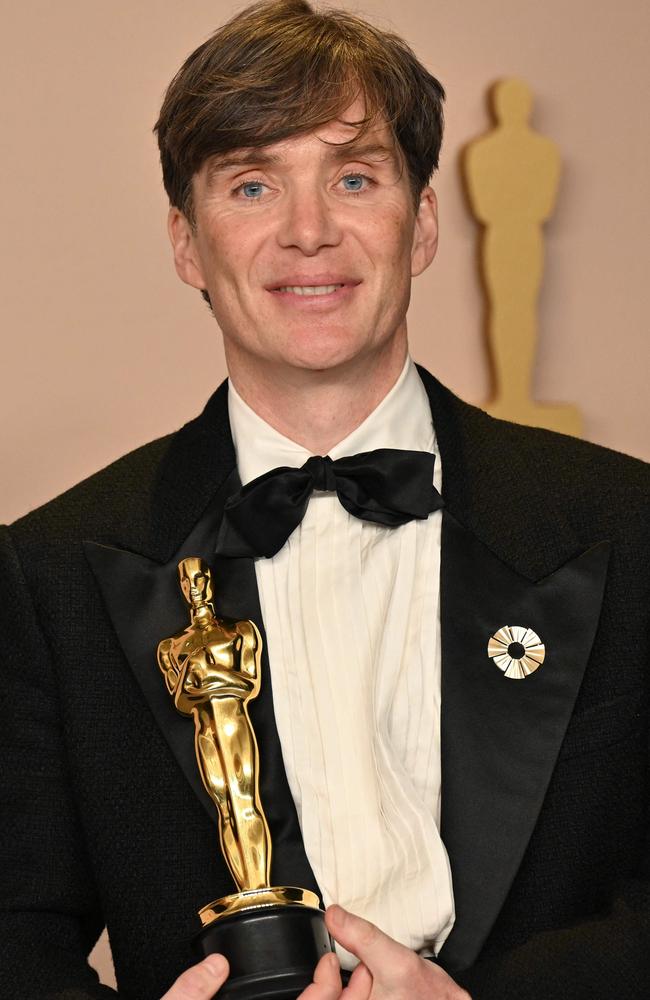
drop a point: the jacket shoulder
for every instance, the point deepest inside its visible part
(143, 501)
(476, 432)
(501, 477)
(574, 461)
(589, 482)
(116, 495)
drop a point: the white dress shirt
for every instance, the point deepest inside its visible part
(352, 619)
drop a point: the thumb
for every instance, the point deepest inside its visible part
(201, 982)
(376, 950)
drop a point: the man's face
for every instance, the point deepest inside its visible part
(307, 247)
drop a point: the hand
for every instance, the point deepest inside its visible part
(387, 970)
(202, 981)
(327, 980)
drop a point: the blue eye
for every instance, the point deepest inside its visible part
(354, 182)
(252, 189)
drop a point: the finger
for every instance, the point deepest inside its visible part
(328, 971)
(371, 946)
(327, 980)
(360, 985)
(200, 982)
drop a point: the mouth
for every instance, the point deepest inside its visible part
(322, 291)
(310, 289)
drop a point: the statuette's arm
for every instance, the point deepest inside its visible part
(167, 665)
(251, 648)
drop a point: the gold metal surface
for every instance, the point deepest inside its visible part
(255, 899)
(212, 670)
(519, 663)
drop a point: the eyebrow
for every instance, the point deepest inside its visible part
(241, 158)
(336, 151)
(361, 151)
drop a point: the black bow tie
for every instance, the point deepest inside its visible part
(387, 486)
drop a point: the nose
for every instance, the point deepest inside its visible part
(308, 223)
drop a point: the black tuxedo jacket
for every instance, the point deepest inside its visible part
(545, 785)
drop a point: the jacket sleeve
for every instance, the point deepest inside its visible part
(50, 915)
(606, 956)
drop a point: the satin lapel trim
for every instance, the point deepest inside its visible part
(500, 737)
(145, 604)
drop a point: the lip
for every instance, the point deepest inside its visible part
(316, 303)
(306, 280)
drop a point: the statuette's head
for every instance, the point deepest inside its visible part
(512, 101)
(196, 581)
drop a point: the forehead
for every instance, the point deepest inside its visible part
(344, 138)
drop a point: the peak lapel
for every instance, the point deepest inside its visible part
(510, 543)
(500, 736)
(145, 604)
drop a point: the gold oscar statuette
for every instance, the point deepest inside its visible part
(272, 936)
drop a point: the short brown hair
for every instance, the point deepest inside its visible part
(281, 68)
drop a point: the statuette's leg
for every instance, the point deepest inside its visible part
(239, 765)
(217, 788)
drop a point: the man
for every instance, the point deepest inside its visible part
(477, 804)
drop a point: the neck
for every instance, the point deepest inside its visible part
(317, 409)
(202, 614)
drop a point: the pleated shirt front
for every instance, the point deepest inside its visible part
(352, 620)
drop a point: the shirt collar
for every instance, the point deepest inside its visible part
(401, 420)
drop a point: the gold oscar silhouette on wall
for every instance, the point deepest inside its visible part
(512, 176)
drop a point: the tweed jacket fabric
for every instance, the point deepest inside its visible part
(99, 826)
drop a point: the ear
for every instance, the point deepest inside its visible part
(186, 256)
(425, 233)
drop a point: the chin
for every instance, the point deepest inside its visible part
(323, 360)
(323, 352)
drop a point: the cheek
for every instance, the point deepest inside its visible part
(389, 243)
(241, 263)
(226, 249)
(221, 255)
(395, 264)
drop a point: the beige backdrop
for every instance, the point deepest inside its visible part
(98, 332)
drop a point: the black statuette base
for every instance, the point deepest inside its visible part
(272, 950)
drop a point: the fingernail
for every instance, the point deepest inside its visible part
(337, 915)
(216, 964)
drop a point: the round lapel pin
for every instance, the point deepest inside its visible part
(516, 650)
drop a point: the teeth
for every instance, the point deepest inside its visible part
(310, 289)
